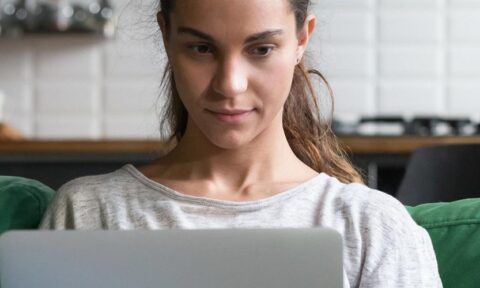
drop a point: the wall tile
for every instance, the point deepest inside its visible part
(125, 127)
(70, 57)
(18, 97)
(348, 26)
(410, 4)
(409, 61)
(353, 96)
(409, 97)
(15, 60)
(464, 61)
(462, 23)
(131, 98)
(410, 27)
(343, 4)
(463, 96)
(344, 60)
(130, 59)
(463, 3)
(68, 127)
(67, 98)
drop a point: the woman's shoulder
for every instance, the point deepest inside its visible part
(383, 242)
(96, 184)
(364, 205)
(81, 202)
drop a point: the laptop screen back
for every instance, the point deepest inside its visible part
(219, 258)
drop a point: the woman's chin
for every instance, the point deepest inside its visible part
(229, 142)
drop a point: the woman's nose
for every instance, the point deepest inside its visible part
(231, 78)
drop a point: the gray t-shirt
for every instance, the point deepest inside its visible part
(383, 246)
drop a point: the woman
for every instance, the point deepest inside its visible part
(251, 148)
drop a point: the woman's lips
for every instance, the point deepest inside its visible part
(231, 116)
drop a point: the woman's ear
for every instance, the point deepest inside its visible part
(305, 34)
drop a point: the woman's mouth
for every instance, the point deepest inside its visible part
(231, 116)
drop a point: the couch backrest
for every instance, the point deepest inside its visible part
(22, 203)
(454, 228)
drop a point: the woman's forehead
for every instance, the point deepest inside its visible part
(233, 18)
(230, 12)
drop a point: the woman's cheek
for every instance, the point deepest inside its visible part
(282, 76)
(191, 80)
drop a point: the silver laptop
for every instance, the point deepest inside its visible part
(218, 258)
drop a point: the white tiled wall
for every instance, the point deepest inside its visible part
(390, 57)
(401, 57)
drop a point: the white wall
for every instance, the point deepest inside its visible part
(404, 57)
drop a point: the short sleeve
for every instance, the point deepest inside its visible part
(399, 253)
(75, 206)
(58, 216)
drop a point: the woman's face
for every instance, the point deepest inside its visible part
(233, 64)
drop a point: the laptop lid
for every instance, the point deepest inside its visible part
(218, 258)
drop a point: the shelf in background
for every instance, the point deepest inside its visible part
(355, 145)
(400, 144)
(382, 160)
(82, 146)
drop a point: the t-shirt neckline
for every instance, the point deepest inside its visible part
(171, 193)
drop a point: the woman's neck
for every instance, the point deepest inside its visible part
(266, 159)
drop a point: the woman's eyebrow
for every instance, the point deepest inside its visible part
(251, 38)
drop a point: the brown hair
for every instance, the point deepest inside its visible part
(310, 137)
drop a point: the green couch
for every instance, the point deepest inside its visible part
(22, 203)
(453, 227)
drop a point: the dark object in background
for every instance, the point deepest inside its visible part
(400, 126)
(422, 126)
(371, 126)
(463, 126)
(35, 16)
(441, 174)
(11, 19)
(382, 125)
(55, 170)
(437, 126)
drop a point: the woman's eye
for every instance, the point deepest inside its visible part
(201, 49)
(262, 50)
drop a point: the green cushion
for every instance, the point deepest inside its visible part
(455, 232)
(22, 203)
